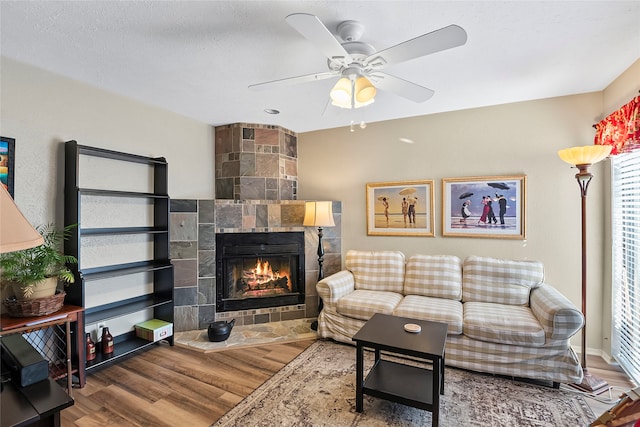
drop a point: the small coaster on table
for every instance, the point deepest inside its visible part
(412, 327)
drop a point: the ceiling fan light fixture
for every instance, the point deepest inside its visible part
(341, 104)
(364, 90)
(353, 60)
(357, 104)
(341, 92)
(348, 93)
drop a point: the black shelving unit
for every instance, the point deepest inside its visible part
(160, 301)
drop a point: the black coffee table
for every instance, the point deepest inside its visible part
(398, 382)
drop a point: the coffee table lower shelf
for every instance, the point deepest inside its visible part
(396, 382)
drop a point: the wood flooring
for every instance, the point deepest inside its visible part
(174, 386)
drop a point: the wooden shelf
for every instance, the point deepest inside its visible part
(118, 193)
(117, 155)
(107, 231)
(396, 382)
(116, 270)
(122, 347)
(122, 308)
(159, 267)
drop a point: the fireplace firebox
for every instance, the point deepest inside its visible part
(259, 270)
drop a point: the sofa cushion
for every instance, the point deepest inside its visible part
(362, 304)
(433, 309)
(502, 324)
(499, 281)
(377, 270)
(438, 276)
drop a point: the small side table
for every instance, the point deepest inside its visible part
(398, 382)
(39, 404)
(65, 316)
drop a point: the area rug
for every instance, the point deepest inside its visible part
(318, 389)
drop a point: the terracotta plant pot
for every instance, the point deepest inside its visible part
(43, 289)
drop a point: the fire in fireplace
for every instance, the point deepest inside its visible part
(258, 270)
(260, 280)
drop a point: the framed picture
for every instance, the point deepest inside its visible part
(403, 208)
(491, 206)
(7, 163)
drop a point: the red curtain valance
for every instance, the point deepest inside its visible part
(621, 129)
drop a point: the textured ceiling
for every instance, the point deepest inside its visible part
(197, 58)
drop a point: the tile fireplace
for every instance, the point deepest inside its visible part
(256, 191)
(258, 270)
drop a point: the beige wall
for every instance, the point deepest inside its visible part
(521, 138)
(40, 110)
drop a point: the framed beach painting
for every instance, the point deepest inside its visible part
(490, 207)
(403, 208)
(7, 163)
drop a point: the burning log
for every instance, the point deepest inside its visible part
(261, 280)
(281, 282)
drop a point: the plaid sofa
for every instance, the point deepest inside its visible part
(502, 317)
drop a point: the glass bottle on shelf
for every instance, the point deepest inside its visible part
(91, 348)
(107, 341)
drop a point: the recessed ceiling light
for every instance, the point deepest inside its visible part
(406, 140)
(271, 111)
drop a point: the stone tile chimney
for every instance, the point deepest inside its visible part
(256, 162)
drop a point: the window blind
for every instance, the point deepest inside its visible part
(626, 261)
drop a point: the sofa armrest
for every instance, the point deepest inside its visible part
(334, 287)
(558, 316)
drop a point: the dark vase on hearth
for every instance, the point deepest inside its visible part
(220, 331)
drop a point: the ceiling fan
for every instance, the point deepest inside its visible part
(360, 66)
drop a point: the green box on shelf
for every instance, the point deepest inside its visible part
(154, 330)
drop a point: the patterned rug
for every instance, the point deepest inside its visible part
(318, 389)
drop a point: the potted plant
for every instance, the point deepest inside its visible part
(35, 272)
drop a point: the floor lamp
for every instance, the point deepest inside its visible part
(318, 214)
(582, 158)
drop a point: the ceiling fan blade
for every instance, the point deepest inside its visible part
(435, 41)
(315, 31)
(401, 87)
(294, 80)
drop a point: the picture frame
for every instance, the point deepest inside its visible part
(389, 215)
(466, 209)
(7, 163)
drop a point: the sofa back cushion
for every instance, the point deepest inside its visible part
(500, 281)
(438, 276)
(377, 270)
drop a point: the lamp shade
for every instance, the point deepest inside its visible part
(341, 93)
(584, 155)
(353, 94)
(16, 233)
(318, 214)
(364, 90)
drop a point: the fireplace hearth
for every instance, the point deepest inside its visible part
(259, 270)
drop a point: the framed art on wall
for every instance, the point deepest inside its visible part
(402, 208)
(7, 163)
(490, 207)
